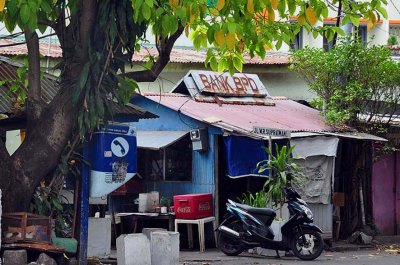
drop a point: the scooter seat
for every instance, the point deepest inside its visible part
(255, 210)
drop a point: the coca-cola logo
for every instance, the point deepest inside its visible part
(204, 206)
(183, 209)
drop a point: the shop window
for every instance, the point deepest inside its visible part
(394, 30)
(297, 43)
(172, 163)
(363, 34)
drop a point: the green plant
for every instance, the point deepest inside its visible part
(48, 203)
(393, 40)
(165, 201)
(284, 172)
(258, 199)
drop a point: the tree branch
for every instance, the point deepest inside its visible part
(34, 93)
(88, 17)
(164, 45)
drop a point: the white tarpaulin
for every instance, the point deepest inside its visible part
(317, 157)
(314, 146)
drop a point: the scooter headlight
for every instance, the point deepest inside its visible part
(307, 212)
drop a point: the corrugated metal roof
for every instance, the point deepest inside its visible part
(178, 55)
(158, 139)
(8, 71)
(286, 114)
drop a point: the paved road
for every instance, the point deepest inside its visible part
(362, 257)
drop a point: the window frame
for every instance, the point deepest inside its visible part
(162, 152)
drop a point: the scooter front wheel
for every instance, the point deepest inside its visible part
(307, 244)
(229, 245)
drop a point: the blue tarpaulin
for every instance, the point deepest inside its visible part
(242, 156)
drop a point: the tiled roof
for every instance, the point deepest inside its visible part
(11, 47)
(178, 55)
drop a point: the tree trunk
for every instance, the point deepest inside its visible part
(38, 154)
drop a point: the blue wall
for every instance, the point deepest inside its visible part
(202, 163)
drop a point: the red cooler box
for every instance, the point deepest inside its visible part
(193, 206)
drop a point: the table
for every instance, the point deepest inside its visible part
(200, 224)
(136, 217)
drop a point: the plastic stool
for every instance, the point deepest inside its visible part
(200, 223)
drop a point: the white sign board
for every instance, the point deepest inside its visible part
(271, 132)
(224, 84)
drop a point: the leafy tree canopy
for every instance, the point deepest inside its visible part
(352, 81)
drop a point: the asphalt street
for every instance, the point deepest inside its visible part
(362, 257)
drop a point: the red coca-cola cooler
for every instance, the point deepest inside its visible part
(193, 206)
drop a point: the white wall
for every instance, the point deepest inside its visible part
(13, 141)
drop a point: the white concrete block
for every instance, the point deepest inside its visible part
(99, 240)
(164, 248)
(148, 231)
(133, 249)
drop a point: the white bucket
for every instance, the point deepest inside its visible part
(153, 201)
(143, 202)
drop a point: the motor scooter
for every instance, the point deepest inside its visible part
(245, 227)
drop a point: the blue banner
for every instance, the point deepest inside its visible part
(242, 156)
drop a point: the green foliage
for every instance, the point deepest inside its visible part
(258, 199)
(165, 201)
(47, 202)
(285, 172)
(352, 80)
(393, 40)
(229, 28)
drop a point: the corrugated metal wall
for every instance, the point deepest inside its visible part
(323, 217)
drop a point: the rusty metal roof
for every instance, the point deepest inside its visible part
(178, 55)
(285, 114)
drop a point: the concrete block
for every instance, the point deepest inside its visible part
(15, 257)
(164, 248)
(99, 240)
(45, 260)
(133, 249)
(147, 231)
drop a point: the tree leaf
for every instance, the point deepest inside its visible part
(220, 4)
(25, 13)
(230, 40)
(382, 11)
(250, 7)
(2, 4)
(274, 4)
(219, 38)
(83, 77)
(355, 19)
(311, 15)
(146, 11)
(301, 20)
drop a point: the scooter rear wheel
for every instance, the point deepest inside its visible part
(228, 245)
(310, 248)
